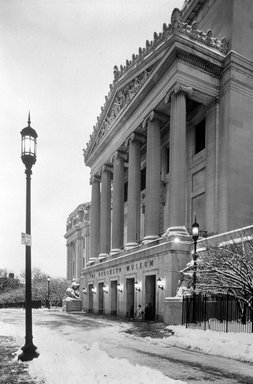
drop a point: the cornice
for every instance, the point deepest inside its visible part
(239, 63)
(77, 218)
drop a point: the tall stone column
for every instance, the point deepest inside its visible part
(95, 217)
(153, 178)
(178, 160)
(134, 191)
(118, 202)
(105, 214)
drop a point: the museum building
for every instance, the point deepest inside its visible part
(78, 241)
(173, 141)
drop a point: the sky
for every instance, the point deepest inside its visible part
(56, 61)
(61, 349)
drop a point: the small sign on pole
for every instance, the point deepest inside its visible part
(26, 239)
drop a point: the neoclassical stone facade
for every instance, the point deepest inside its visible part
(78, 241)
(173, 141)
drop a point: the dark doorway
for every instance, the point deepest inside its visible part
(129, 296)
(150, 295)
(100, 298)
(114, 298)
(90, 309)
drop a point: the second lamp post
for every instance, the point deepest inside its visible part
(195, 236)
(48, 292)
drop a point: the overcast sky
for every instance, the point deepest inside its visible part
(56, 60)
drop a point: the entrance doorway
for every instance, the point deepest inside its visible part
(114, 308)
(129, 296)
(100, 298)
(150, 295)
(90, 309)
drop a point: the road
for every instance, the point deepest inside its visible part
(127, 341)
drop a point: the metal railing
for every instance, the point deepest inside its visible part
(221, 313)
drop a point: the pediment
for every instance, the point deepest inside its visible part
(131, 78)
(121, 98)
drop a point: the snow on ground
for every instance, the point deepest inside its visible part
(238, 346)
(63, 359)
(73, 357)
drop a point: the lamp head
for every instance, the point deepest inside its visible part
(28, 145)
(137, 286)
(195, 230)
(160, 283)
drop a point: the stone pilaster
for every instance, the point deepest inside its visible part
(95, 217)
(178, 159)
(105, 214)
(153, 178)
(118, 202)
(134, 191)
(68, 262)
(79, 255)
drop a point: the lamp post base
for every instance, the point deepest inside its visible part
(29, 352)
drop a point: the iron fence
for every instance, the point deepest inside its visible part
(222, 313)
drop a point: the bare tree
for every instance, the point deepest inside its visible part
(12, 290)
(227, 268)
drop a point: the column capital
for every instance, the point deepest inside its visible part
(119, 154)
(105, 168)
(154, 115)
(134, 137)
(178, 87)
(95, 178)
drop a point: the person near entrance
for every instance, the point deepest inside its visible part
(139, 313)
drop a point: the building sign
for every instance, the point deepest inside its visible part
(26, 239)
(128, 268)
(140, 265)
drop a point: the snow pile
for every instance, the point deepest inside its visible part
(237, 346)
(76, 363)
(65, 360)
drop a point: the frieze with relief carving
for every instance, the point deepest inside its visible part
(111, 109)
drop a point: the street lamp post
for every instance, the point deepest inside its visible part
(48, 292)
(28, 156)
(195, 236)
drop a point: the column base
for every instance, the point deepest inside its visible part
(102, 256)
(114, 251)
(131, 245)
(149, 239)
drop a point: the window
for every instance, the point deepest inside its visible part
(167, 164)
(143, 178)
(83, 243)
(200, 136)
(125, 192)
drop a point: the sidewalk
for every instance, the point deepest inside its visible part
(140, 328)
(12, 371)
(15, 372)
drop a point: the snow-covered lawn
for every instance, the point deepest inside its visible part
(72, 358)
(237, 345)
